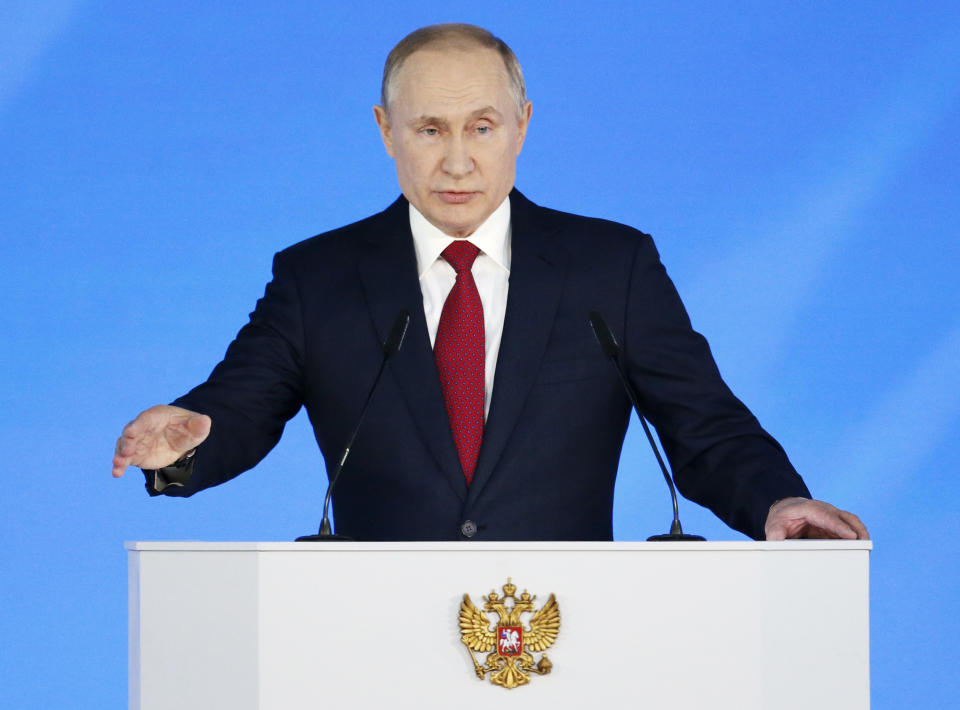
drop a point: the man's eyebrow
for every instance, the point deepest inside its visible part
(426, 120)
(480, 112)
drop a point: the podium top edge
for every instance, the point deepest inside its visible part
(560, 546)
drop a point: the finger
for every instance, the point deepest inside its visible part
(120, 460)
(119, 467)
(126, 446)
(812, 532)
(125, 450)
(854, 522)
(775, 532)
(804, 518)
(133, 444)
(782, 522)
(136, 427)
(825, 520)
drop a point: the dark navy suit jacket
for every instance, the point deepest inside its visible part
(558, 414)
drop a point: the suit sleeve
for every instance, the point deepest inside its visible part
(720, 455)
(252, 393)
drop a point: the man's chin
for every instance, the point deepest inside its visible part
(459, 231)
(458, 221)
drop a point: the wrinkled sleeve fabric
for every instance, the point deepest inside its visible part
(251, 393)
(720, 455)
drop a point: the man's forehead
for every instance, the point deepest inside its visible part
(452, 73)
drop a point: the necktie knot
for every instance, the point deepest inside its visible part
(460, 255)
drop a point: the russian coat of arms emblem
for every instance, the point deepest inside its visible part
(507, 643)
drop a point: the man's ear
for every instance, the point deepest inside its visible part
(383, 123)
(523, 124)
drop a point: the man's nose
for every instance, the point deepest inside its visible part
(456, 160)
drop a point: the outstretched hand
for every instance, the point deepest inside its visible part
(158, 437)
(805, 518)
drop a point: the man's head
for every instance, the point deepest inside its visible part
(454, 117)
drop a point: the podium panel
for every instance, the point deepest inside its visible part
(737, 625)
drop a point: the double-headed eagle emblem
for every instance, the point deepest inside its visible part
(508, 644)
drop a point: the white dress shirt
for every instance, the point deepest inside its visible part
(491, 272)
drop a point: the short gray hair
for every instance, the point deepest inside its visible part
(451, 35)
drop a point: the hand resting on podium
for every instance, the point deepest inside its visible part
(804, 518)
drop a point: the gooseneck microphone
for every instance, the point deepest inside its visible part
(390, 346)
(611, 348)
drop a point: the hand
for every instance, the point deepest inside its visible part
(158, 437)
(802, 517)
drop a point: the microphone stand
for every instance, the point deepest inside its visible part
(610, 347)
(390, 346)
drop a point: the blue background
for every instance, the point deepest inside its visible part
(796, 163)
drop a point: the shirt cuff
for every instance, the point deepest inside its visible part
(176, 475)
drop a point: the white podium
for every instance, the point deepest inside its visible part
(736, 625)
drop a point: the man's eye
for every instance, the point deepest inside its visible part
(429, 131)
(484, 129)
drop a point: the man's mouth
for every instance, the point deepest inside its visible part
(456, 197)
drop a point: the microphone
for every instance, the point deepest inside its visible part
(611, 348)
(390, 346)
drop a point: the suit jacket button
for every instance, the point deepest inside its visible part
(468, 529)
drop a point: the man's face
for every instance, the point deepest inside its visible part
(453, 130)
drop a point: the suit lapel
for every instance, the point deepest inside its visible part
(388, 272)
(536, 279)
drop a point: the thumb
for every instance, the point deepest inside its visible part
(189, 433)
(198, 426)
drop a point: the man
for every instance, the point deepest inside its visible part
(500, 418)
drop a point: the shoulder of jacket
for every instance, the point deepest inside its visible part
(348, 239)
(559, 220)
(579, 232)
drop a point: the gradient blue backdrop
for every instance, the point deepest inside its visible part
(796, 162)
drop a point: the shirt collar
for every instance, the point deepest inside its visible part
(492, 237)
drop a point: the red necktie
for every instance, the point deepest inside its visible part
(459, 352)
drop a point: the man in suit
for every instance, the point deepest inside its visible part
(500, 418)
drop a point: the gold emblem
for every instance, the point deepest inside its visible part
(507, 644)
